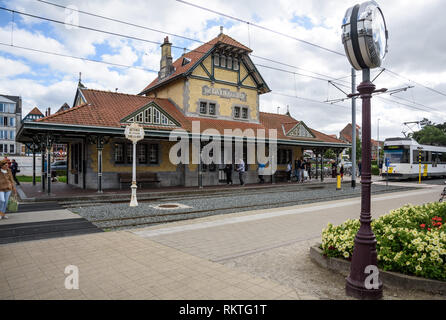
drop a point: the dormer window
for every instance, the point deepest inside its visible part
(216, 59)
(235, 64)
(229, 63)
(223, 61)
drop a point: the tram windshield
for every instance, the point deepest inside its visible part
(397, 154)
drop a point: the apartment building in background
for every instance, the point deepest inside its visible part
(10, 120)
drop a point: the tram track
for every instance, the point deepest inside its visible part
(196, 213)
(236, 192)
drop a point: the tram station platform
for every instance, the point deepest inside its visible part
(64, 192)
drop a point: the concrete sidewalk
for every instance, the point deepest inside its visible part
(251, 255)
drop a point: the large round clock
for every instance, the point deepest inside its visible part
(364, 35)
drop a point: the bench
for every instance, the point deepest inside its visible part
(281, 175)
(126, 177)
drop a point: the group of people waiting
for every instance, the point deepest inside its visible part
(8, 180)
(302, 170)
(240, 168)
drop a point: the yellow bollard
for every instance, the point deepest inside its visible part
(338, 183)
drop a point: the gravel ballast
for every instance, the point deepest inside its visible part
(241, 199)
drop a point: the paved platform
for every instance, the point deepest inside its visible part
(65, 192)
(251, 255)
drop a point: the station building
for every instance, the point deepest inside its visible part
(216, 85)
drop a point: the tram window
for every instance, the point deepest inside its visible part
(426, 157)
(436, 157)
(397, 154)
(443, 157)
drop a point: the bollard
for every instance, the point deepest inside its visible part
(338, 183)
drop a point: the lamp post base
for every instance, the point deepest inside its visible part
(359, 292)
(133, 200)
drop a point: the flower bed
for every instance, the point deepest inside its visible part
(410, 240)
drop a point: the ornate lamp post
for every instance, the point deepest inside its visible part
(364, 36)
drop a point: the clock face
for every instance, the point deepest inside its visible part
(379, 32)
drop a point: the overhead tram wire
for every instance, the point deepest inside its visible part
(115, 34)
(297, 39)
(78, 58)
(108, 32)
(183, 37)
(308, 99)
(261, 27)
(420, 84)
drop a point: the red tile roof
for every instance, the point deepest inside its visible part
(194, 56)
(107, 109)
(36, 111)
(274, 120)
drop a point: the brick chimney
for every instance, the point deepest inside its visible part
(166, 67)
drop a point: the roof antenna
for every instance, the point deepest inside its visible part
(116, 89)
(288, 110)
(221, 30)
(278, 108)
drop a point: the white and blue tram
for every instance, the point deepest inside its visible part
(403, 155)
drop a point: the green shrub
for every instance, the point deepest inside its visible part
(410, 240)
(375, 170)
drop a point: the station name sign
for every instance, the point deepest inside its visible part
(134, 132)
(223, 93)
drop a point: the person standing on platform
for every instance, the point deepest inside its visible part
(228, 172)
(359, 168)
(303, 165)
(241, 171)
(261, 172)
(14, 170)
(308, 168)
(288, 171)
(7, 186)
(298, 166)
(296, 169)
(342, 171)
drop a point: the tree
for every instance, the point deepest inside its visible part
(329, 154)
(431, 135)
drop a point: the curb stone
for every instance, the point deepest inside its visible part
(387, 277)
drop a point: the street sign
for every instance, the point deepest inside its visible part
(387, 162)
(134, 132)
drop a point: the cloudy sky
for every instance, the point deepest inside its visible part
(416, 53)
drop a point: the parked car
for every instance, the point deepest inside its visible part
(347, 164)
(59, 165)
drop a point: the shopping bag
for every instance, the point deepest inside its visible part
(13, 204)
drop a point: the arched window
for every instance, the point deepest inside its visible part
(229, 63)
(222, 61)
(235, 64)
(216, 59)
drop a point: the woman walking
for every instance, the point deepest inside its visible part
(7, 186)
